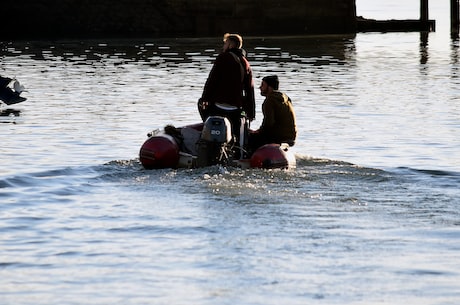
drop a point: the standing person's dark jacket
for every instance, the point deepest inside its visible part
(230, 82)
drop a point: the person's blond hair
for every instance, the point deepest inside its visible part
(235, 38)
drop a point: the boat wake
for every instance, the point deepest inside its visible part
(313, 179)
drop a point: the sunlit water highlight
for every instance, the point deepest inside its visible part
(370, 215)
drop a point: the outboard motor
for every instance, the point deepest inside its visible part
(214, 145)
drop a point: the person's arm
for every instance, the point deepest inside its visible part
(248, 83)
(212, 83)
(268, 123)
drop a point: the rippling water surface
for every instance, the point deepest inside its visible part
(370, 215)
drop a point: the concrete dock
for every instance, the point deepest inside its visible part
(81, 19)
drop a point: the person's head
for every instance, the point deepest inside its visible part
(232, 41)
(269, 84)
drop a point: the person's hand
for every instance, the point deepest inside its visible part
(203, 104)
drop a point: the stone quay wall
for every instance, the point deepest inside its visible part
(40, 19)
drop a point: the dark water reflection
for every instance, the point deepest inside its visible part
(183, 50)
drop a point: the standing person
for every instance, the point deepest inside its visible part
(229, 89)
(279, 122)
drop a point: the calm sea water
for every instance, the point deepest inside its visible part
(370, 215)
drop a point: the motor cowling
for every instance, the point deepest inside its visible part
(213, 145)
(217, 129)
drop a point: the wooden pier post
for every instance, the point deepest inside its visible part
(454, 17)
(424, 10)
(425, 23)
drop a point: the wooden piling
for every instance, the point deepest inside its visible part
(424, 10)
(454, 17)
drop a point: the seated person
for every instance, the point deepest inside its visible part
(279, 122)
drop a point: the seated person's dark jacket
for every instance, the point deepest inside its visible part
(279, 123)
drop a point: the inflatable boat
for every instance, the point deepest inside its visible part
(209, 143)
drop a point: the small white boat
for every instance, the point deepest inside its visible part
(7, 94)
